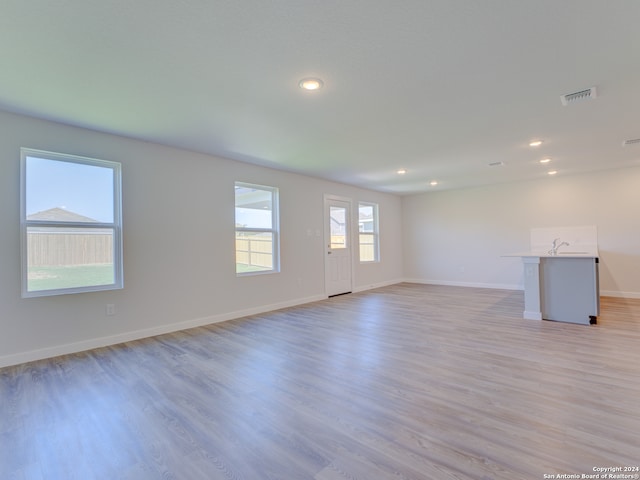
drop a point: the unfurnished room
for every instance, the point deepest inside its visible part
(333, 240)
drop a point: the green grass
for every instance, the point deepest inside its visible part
(52, 278)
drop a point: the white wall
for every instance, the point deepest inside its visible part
(458, 237)
(179, 267)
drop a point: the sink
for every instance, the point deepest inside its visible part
(572, 253)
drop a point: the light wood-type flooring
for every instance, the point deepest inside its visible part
(403, 382)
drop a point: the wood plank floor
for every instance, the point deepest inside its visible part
(403, 382)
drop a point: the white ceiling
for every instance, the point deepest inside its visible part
(441, 88)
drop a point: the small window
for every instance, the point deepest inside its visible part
(70, 224)
(368, 231)
(257, 243)
(338, 226)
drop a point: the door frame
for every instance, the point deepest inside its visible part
(328, 198)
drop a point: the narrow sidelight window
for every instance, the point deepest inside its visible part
(368, 232)
(257, 237)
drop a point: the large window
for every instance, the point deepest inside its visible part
(368, 232)
(257, 244)
(70, 224)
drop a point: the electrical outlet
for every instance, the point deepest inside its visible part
(111, 309)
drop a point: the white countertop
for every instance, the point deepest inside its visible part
(578, 253)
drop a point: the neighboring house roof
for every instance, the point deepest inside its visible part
(58, 214)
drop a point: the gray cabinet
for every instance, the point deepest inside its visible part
(569, 289)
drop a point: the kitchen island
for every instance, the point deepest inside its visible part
(561, 286)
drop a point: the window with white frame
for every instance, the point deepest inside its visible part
(71, 225)
(257, 239)
(368, 231)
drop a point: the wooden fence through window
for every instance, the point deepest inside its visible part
(48, 249)
(255, 250)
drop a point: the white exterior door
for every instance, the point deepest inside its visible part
(338, 250)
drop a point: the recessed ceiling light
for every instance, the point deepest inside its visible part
(433, 183)
(535, 143)
(401, 171)
(310, 83)
(552, 172)
(545, 160)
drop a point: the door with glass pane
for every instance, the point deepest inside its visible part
(338, 245)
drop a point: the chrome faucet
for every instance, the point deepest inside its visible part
(555, 246)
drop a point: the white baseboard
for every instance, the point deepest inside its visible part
(32, 355)
(613, 293)
(376, 285)
(501, 286)
(498, 286)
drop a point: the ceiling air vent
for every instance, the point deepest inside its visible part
(497, 164)
(570, 98)
(635, 141)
